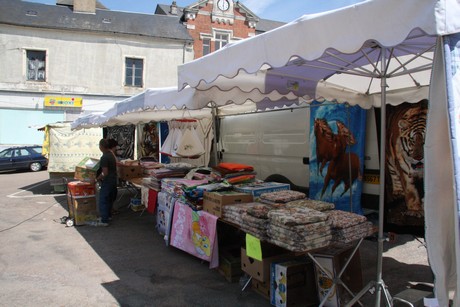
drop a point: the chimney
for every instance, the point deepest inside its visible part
(84, 6)
(173, 8)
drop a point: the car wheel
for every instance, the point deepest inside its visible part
(35, 167)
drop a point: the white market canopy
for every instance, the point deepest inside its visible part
(332, 55)
(163, 104)
(373, 53)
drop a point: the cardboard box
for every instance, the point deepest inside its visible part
(230, 264)
(86, 170)
(293, 283)
(82, 208)
(257, 189)
(129, 171)
(81, 188)
(260, 270)
(213, 202)
(333, 260)
(262, 288)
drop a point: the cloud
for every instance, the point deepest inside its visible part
(258, 6)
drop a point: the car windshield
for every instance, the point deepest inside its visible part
(7, 153)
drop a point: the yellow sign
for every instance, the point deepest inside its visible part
(63, 102)
(371, 178)
(253, 248)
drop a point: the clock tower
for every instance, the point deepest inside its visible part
(222, 12)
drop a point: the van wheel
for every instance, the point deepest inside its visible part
(35, 167)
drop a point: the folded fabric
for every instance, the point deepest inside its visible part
(296, 216)
(235, 166)
(294, 237)
(308, 228)
(295, 247)
(240, 179)
(260, 211)
(299, 234)
(344, 219)
(282, 196)
(312, 204)
(254, 220)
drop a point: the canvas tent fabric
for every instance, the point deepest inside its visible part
(336, 55)
(162, 104)
(66, 148)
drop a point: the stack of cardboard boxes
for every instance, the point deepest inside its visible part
(283, 277)
(81, 194)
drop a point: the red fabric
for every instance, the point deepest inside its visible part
(152, 203)
(236, 166)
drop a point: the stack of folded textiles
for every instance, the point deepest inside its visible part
(234, 173)
(149, 166)
(255, 220)
(282, 197)
(299, 229)
(348, 227)
(151, 183)
(312, 204)
(234, 213)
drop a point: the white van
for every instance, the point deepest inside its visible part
(277, 143)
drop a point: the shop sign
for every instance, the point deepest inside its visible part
(63, 102)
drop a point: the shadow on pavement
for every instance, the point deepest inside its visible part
(152, 274)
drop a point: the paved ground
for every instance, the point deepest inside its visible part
(44, 263)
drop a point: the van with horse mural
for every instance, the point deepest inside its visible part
(317, 150)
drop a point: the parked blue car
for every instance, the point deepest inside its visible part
(23, 157)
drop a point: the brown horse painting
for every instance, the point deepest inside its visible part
(344, 166)
(324, 143)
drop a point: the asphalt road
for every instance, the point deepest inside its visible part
(45, 263)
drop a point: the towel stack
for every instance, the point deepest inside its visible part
(234, 173)
(255, 220)
(312, 204)
(234, 213)
(299, 229)
(281, 197)
(348, 227)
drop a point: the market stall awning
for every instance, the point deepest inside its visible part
(162, 104)
(373, 53)
(332, 55)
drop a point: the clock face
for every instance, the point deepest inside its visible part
(223, 5)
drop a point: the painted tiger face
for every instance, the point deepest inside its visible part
(412, 126)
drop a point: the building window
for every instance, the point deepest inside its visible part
(206, 46)
(134, 72)
(36, 65)
(220, 40)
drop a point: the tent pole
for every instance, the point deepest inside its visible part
(378, 284)
(214, 140)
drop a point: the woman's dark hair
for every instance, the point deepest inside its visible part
(112, 143)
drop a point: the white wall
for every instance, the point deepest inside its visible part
(84, 63)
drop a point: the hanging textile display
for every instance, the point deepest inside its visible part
(337, 135)
(124, 135)
(404, 184)
(190, 145)
(195, 233)
(188, 141)
(148, 141)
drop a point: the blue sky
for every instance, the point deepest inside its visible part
(280, 10)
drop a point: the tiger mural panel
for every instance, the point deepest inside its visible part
(406, 127)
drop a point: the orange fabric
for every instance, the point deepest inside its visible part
(236, 166)
(239, 179)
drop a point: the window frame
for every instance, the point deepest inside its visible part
(218, 42)
(133, 77)
(26, 51)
